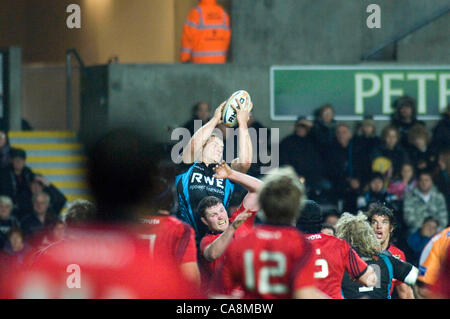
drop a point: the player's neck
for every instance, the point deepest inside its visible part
(385, 245)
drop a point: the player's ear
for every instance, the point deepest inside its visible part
(203, 220)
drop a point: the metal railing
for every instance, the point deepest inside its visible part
(69, 54)
(402, 35)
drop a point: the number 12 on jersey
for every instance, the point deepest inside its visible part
(265, 272)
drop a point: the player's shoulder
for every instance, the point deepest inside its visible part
(396, 252)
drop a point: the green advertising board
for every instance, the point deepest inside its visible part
(355, 91)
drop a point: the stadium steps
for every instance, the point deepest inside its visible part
(58, 156)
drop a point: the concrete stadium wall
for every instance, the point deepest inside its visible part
(333, 32)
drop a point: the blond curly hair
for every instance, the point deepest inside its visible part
(358, 233)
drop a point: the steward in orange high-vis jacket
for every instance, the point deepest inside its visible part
(206, 34)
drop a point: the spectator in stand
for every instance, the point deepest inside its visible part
(36, 223)
(366, 136)
(377, 193)
(15, 181)
(5, 150)
(345, 167)
(57, 198)
(404, 183)
(323, 131)
(442, 176)
(418, 149)
(7, 221)
(331, 217)
(14, 253)
(418, 240)
(264, 143)
(441, 133)
(404, 117)
(423, 201)
(200, 112)
(57, 232)
(299, 151)
(390, 148)
(206, 34)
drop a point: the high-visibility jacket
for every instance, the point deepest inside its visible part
(206, 34)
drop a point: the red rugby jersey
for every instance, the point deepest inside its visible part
(398, 253)
(98, 264)
(269, 262)
(211, 266)
(167, 236)
(334, 256)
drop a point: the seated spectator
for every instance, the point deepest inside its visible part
(404, 117)
(323, 131)
(15, 181)
(263, 143)
(441, 133)
(5, 150)
(7, 221)
(403, 183)
(328, 230)
(35, 224)
(57, 232)
(423, 201)
(14, 252)
(299, 151)
(418, 149)
(331, 218)
(200, 112)
(57, 198)
(442, 175)
(390, 148)
(418, 240)
(366, 137)
(345, 167)
(377, 193)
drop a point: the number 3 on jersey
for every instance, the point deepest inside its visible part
(323, 264)
(265, 272)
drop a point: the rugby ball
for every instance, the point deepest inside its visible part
(229, 116)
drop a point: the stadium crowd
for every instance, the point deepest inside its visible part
(375, 224)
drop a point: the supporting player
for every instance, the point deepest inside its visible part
(167, 236)
(334, 255)
(382, 220)
(360, 235)
(107, 260)
(273, 260)
(431, 260)
(215, 217)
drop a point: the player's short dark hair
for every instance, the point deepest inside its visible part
(122, 167)
(329, 226)
(163, 196)
(80, 212)
(311, 218)
(205, 203)
(380, 209)
(424, 172)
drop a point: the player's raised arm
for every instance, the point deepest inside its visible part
(193, 150)
(244, 161)
(250, 183)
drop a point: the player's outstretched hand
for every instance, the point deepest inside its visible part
(218, 112)
(240, 219)
(222, 170)
(242, 112)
